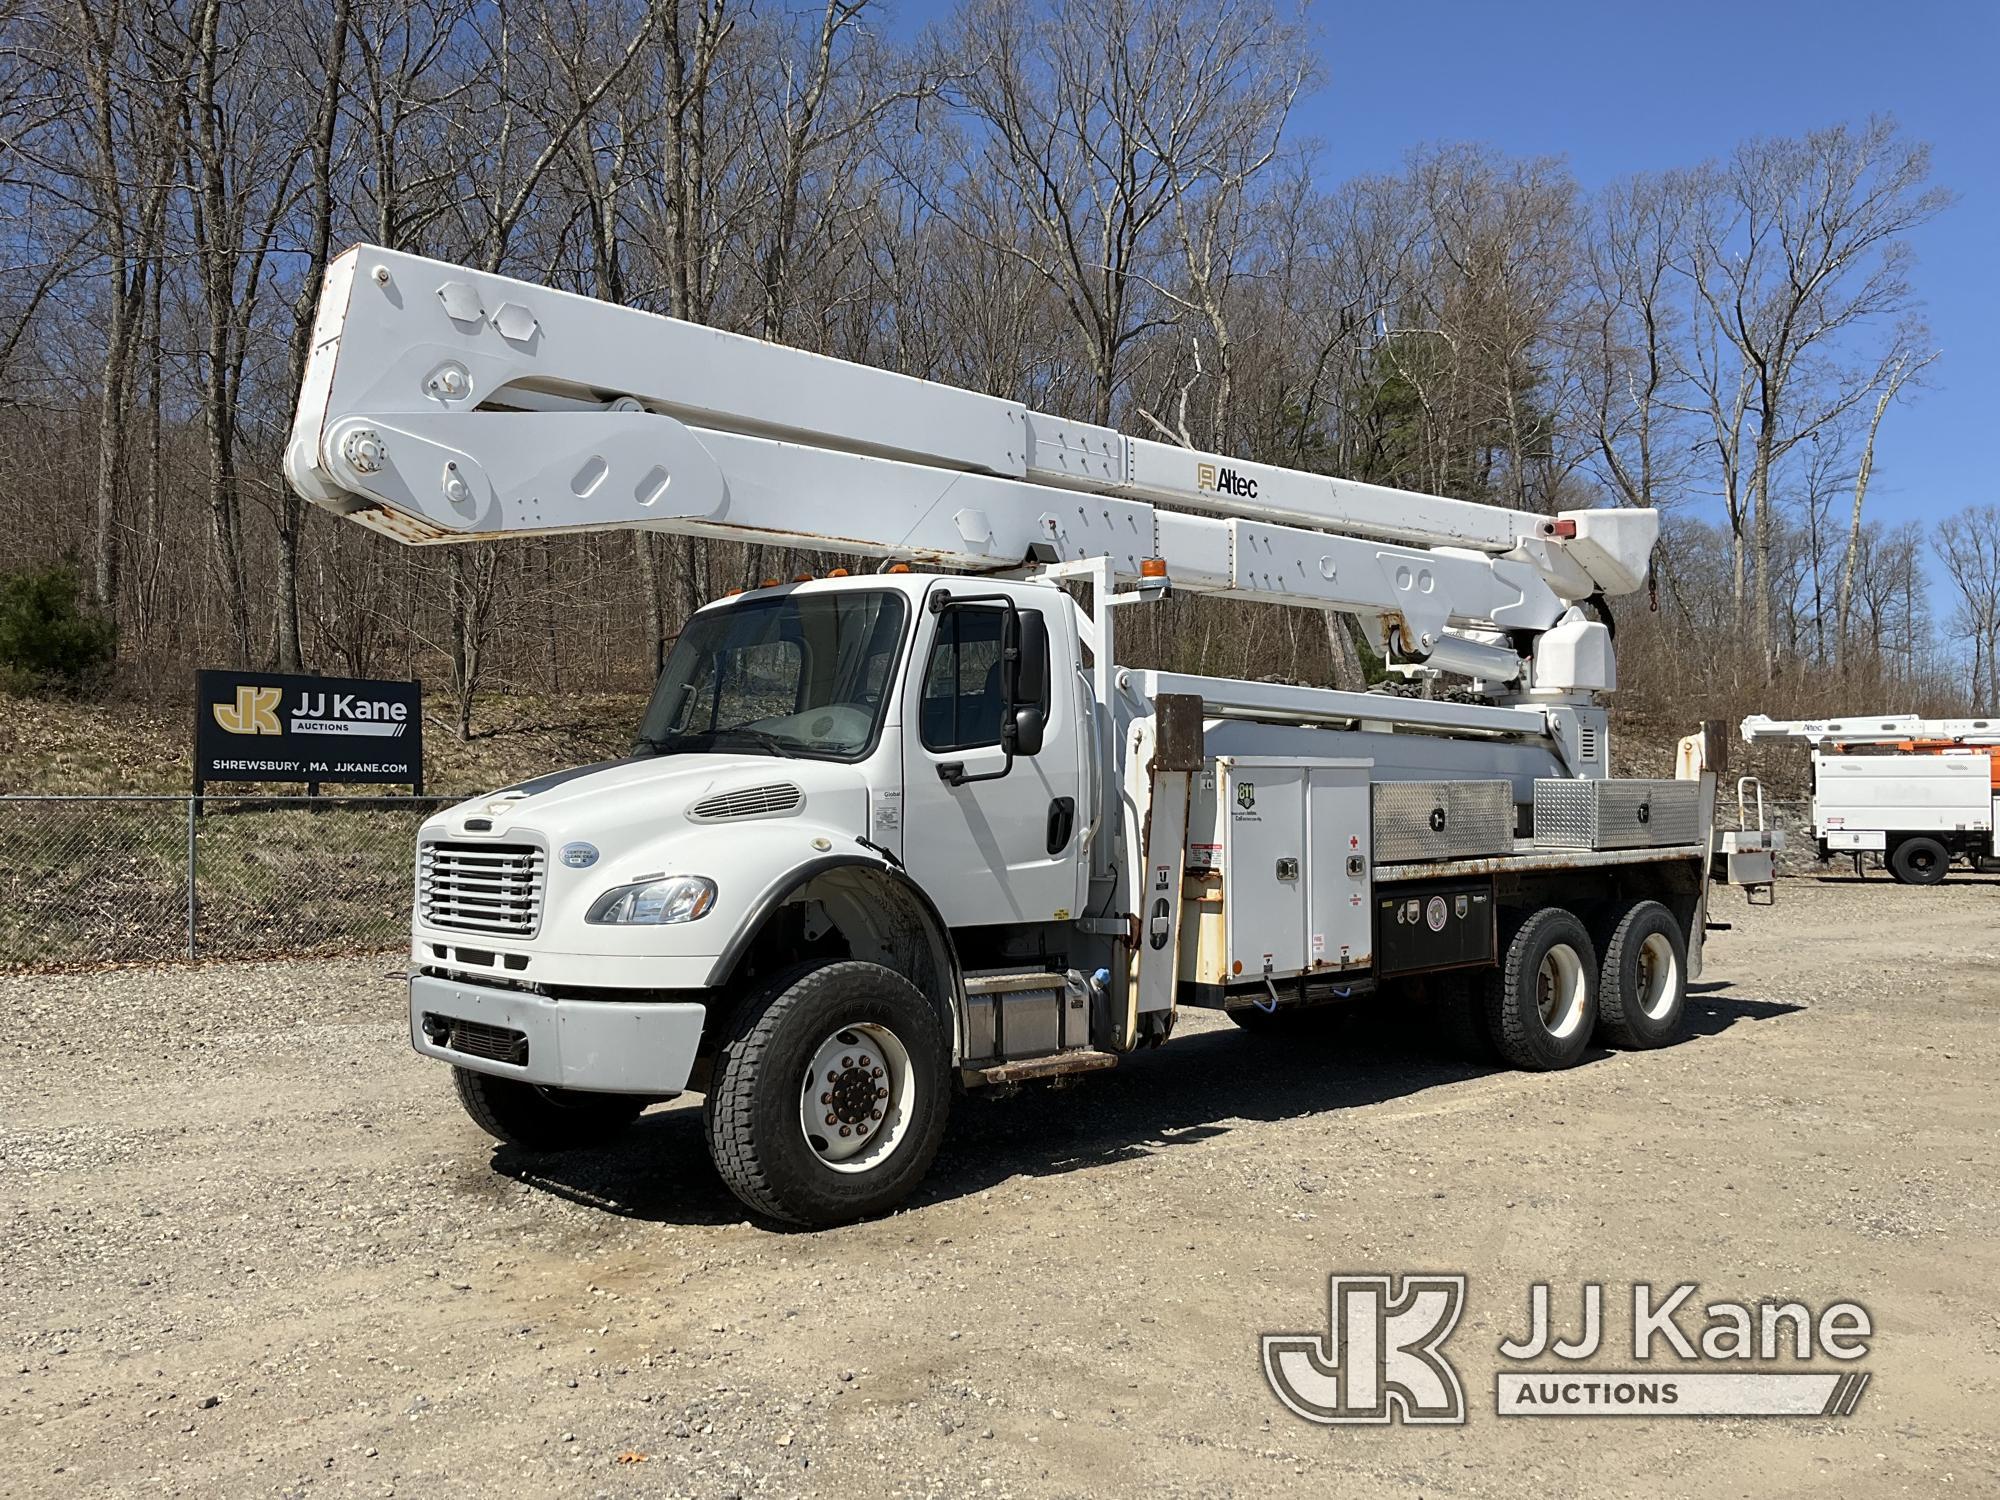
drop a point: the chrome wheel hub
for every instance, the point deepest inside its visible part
(857, 1097)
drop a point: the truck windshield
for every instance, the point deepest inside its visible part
(790, 674)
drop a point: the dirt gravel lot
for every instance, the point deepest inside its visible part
(253, 1248)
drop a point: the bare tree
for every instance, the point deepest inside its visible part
(1968, 545)
(1629, 326)
(1087, 124)
(132, 69)
(327, 87)
(1902, 371)
(1804, 244)
(1094, 211)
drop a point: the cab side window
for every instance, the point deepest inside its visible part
(962, 697)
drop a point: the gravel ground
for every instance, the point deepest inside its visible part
(254, 1248)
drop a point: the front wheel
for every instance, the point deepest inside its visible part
(829, 1097)
(1919, 861)
(1541, 1003)
(538, 1119)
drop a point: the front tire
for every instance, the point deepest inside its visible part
(538, 1119)
(1541, 1003)
(830, 1095)
(1642, 1000)
(1919, 861)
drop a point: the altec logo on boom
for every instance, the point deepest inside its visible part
(1224, 482)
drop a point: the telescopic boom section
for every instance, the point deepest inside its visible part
(1883, 729)
(442, 404)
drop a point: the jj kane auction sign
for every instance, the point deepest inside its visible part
(268, 726)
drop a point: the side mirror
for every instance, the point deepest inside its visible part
(1026, 644)
(1022, 734)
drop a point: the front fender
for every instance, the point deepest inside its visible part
(884, 916)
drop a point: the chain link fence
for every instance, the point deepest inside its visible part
(86, 880)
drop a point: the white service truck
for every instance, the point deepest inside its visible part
(890, 835)
(1917, 794)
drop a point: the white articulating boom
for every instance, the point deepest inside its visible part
(442, 404)
(882, 837)
(1884, 729)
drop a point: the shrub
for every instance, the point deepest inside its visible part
(50, 639)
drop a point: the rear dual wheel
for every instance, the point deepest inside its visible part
(1551, 993)
(1540, 1004)
(1642, 1002)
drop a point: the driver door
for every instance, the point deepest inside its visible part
(1000, 850)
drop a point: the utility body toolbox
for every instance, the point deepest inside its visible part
(1631, 814)
(1435, 924)
(1417, 821)
(1277, 874)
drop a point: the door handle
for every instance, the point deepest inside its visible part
(1062, 823)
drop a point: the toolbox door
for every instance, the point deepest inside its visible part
(1264, 886)
(1340, 922)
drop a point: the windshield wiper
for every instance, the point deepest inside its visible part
(708, 739)
(760, 737)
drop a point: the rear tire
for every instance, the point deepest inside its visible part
(852, 1040)
(1919, 861)
(538, 1119)
(1541, 1003)
(1642, 995)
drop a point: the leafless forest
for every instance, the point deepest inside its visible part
(1100, 209)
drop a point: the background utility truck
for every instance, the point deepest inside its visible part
(887, 835)
(1914, 793)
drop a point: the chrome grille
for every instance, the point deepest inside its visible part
(748, 802)
(482, 887)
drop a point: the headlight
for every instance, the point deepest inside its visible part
(671, 898)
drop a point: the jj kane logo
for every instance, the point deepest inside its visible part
(1382, 1357)
(255, 711)
(1214, 481)
(1380, 1360)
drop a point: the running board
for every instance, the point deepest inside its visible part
(1057, 1065)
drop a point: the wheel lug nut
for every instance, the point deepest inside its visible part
(875, 1114)
(864, 1059)
(881, 1093)
(847, 1062)
(826, 1098)
(876, 1074)
(830, 1120)
(845, 1131)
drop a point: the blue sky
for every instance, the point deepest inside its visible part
(1618, 87)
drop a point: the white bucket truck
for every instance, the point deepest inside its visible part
(887, 836)
(1915, 794)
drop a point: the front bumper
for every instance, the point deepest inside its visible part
(593, 1046)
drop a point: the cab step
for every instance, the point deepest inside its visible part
(1010, 982)
(1029, 1069)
